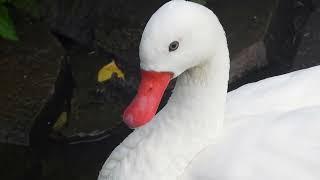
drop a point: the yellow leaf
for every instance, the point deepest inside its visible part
(105, 73)
(61, 122)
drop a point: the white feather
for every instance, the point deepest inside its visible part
(269, 130)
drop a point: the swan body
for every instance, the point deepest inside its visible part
(271, 132)
(264, 130)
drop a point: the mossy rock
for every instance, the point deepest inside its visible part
(30, 71)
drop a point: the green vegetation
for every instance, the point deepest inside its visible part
(202, 2)
(7, 29)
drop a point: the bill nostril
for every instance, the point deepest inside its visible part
(150, 89)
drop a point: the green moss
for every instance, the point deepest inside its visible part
(7, 29)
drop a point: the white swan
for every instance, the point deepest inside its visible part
(269, 130)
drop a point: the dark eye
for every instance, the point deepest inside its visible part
(173, 46)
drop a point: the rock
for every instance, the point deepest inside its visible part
(31, 83)
(308, 53)
(286, 31)
(281, 40)
(255, 32)
(246, 27)
(18, 162)
(96, 106)
(258, 32)
(262, 33)
(316, 3)
(114, 25)
(72, 18)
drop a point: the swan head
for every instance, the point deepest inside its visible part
(179, 36)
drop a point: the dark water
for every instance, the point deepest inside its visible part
(81, 161)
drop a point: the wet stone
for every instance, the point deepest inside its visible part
(246, 27)
(308, 53)
(284, 35)
(256, 32)
(261, 33)
(96, 107)
(254, 29)
(29, 72)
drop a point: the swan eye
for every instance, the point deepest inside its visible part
(173, 46)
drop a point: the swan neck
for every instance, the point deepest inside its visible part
(200, 95)
(192, 118)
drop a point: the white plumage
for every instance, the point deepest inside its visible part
(268, 130)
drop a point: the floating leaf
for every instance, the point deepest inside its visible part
(30, 6)
(61, 121)
(105, 73)
(202, 2)
(7, 29)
